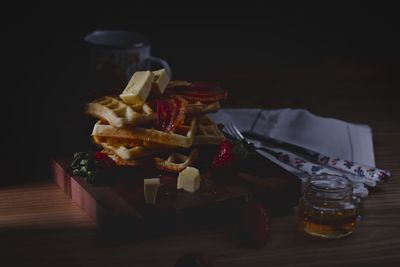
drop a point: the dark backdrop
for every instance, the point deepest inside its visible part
(254, 45)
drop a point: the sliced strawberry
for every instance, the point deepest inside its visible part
(179, 112)
(254, 227)
(201, 91)
(163, 113)
(170, 113)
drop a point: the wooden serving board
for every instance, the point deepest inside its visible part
(118, 207)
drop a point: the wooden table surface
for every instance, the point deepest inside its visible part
(41, 226)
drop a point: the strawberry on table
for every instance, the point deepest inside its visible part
(254, 225)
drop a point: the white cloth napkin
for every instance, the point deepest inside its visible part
(299, 127)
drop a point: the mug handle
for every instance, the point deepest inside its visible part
(162, 62)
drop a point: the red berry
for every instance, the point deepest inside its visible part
(254, 225)
(225, 156)
(103, 160)
(194, 259)
(100, 156)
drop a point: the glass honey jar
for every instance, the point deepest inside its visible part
(328, 208)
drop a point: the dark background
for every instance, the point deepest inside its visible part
(258, 51)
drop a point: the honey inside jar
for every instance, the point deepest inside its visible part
(328, 208)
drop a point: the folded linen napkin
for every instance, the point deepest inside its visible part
(328, 136)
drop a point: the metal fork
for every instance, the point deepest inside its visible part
(233, 131)
(293, 160)
(375, 175)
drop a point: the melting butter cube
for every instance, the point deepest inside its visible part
(161, 81)
(189, 179)
(150, 190)
(138, 88)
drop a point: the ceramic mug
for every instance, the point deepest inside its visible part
(118, 54)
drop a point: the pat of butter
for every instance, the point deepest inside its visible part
(161, 81)
(138, 88)
(189, 179)
(150, 190)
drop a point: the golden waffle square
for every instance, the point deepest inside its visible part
(118, 114)
(129, 143)
(208, 133)
(129, 153)
(119, 161)
(176, 162)
(197, 107)
(178, 83)
(181, 137)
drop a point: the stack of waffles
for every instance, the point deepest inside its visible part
(156, 120)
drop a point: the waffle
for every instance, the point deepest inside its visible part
(118, 114)
(181, 137)
(207, 133)
(119, 161)
(129, 143)
(176, 162)
(178, 83)
(130, 153)
(197, 108)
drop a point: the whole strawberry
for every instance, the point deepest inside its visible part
(254, 225)
(229, 153)
(104, 161)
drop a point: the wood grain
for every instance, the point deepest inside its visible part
(118, 210)
(41, 226)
